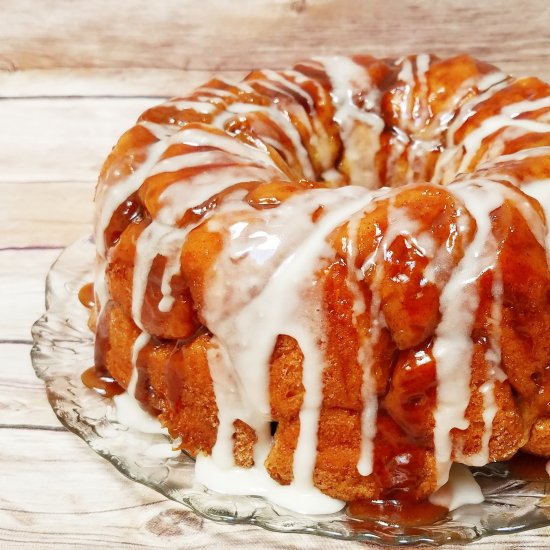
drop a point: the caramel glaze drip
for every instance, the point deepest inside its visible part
(397, 512)
(405, 417)
(86, 295)
(97, 378)
(145, 392)
(528, 467)
(259, 195)
(414, 514)
(130, 211)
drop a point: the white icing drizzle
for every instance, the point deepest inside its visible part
(228, 399)
(277, 82)
(216, 92)
(162, 132)
(461, 489)
(222, 141)
(468, 109)
(461, 108)
(422, 66)
(283, 79)
(347, 79)
(493, 357)
(172, 253)
(490, 79)
(114, 195)
(319, 138)
(494, 354)
(446, 168)
(540, 190)
(487, 390)
(146, 251)
(128, 410)
(275, 253)
(141, 341)
(536, 223)
(406, 74)
(413, 110)
(193, 191)
(303, 242)
(399, 142)
(515, 109)
(490, 126)
(101, 291)
(518, 155)
(365, 353)
(203, 107)
(278, 117)
(503, 120)
(196, 159)
(399, 223)
(453, 346)
(256, 481)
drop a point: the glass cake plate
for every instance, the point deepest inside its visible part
(63, 349)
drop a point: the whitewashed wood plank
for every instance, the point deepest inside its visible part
(57, 492)
(62, 140)
(22, 276)
(123, 82)
(218, 35)
(55, 213)
(23, 399)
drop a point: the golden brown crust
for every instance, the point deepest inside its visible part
(174, 374)
(115, 337)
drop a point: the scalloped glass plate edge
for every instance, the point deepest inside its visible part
(63, 348)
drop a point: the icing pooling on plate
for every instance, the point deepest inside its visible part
(278, 252)
(461, 489)
(256, 481)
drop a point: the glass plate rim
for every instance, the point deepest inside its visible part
(53, 322)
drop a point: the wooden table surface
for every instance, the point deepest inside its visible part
(73, 76)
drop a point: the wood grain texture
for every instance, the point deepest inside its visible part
(28, 222)
(23, 401)
(116, 513)
(22, 275)
(66, 139)
(73, 76)
(220, 35)
(156, 84)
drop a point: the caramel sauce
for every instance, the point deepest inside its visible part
(86, 295)
(129, 211)
(528, 467)
(197, 213)
(396, 512)
(145, 392)
(99, 380)
(259, 195)
(317, 214)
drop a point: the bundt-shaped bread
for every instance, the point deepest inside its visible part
(337, 273)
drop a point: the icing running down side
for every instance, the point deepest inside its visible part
(331, 282)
